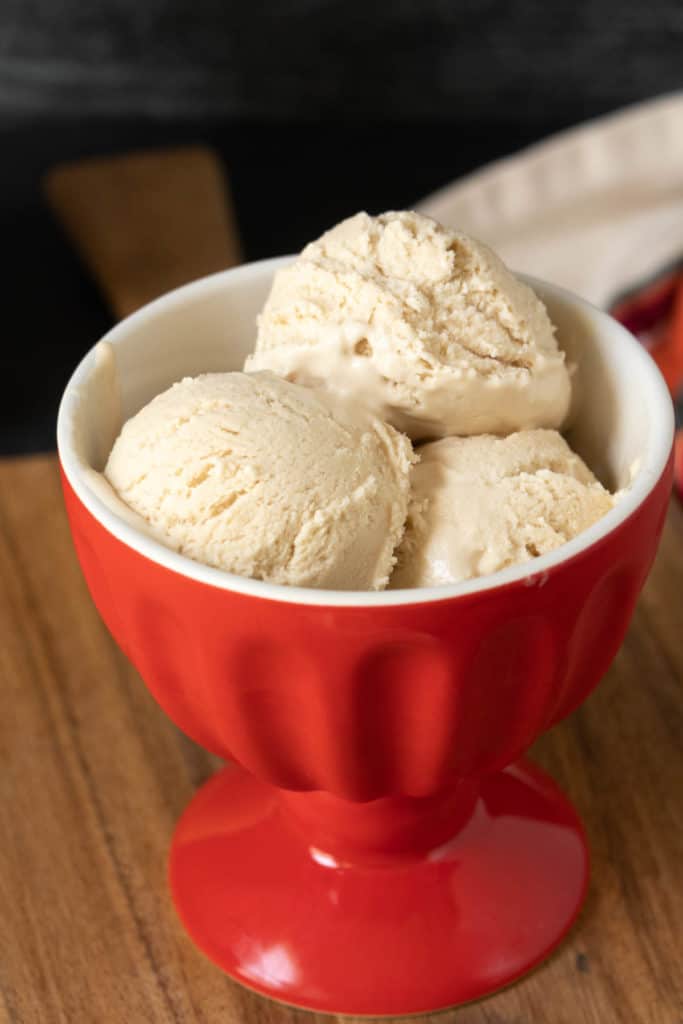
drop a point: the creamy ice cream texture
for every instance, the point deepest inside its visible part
(263, 478)
(387, 320)
(424, 325)
(483, 503)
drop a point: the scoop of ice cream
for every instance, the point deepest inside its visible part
(424, 325)
(263, 478)
(482, 503)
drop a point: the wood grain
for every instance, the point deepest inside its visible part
(94, 776)
(146, 222)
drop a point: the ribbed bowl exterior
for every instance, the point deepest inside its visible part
(365, 702)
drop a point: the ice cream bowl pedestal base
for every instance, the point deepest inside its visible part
(381, 848)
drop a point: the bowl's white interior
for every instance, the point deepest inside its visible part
(621, 420)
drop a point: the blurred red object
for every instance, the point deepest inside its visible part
(654, 313)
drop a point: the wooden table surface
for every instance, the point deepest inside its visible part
(94, 776)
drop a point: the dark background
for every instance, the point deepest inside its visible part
(319, 108)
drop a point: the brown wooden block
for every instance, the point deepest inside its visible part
(146, 222)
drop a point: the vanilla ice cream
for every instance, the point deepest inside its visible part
(263, 478)
(483, 503)
(424, 325)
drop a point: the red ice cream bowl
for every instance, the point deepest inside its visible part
(376, 846)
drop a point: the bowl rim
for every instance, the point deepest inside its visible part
(531, 573)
